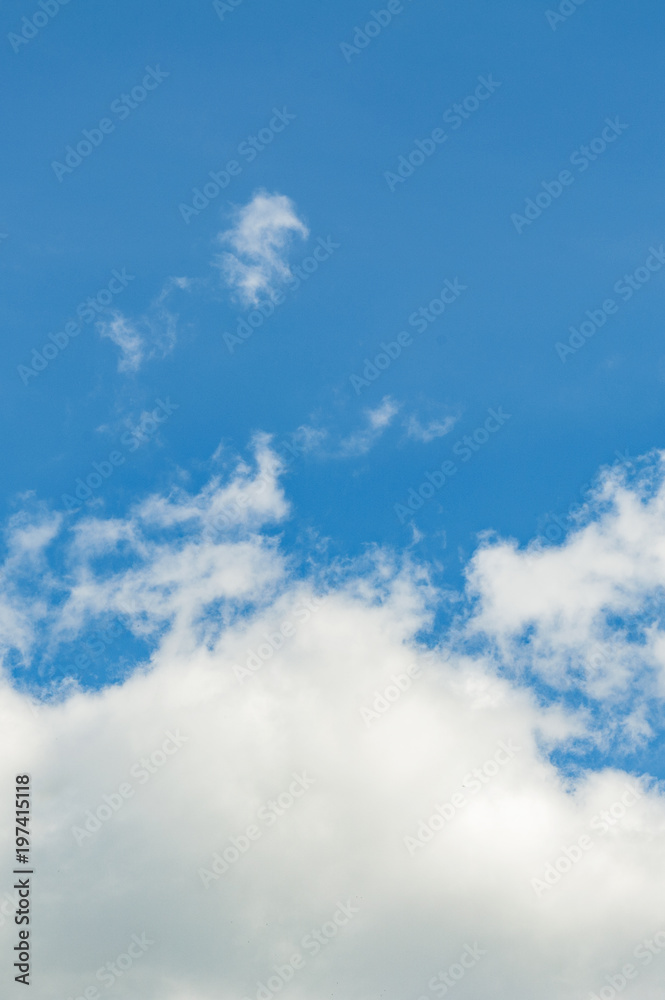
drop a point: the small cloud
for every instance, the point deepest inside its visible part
(127, 338)
(360, 442)
(182, 284)
(382, 416)
(417, 536)
(327, 445)
(152, 335)
(308, 439)
(260, 239)
(434, 429)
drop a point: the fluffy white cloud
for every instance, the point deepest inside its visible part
(396, 802)
(260, 238)
(586, 614)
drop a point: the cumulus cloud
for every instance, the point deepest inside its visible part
(585, 614)
(296, 793)
(260, 239)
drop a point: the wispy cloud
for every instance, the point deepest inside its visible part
(309, 439)
(260, 238)
(377, 420)
(326, 444)
(428, 432)
(152, 335)
(125, 335)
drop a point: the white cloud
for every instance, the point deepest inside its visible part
(429, 432)
(262, 233)
(125, 335)
(377, 421)
(589, 607)
(182, 284)
(152, 335)
(321, 442)
(264, 681)
(27, 538)
(309, 439)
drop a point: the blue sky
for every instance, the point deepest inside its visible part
(450, 219)
(355, 113)
(326, 300)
